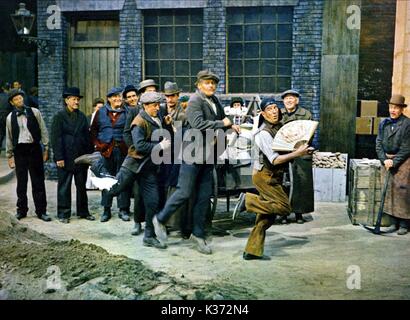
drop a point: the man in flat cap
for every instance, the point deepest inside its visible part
(26, 150)
(138, 165)
(107, 134)
(204, 113)
(393, 151)
(267, 178)
(303, 196)
(70, 139)
(147, 85)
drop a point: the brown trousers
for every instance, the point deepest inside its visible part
(271, 201)
(397, 202)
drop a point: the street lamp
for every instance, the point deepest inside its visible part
(23, 21)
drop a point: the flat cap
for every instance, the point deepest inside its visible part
(207, 75)
(150, 97)
(114, 91)
(15, 92)
(292, 92)
(267, 102)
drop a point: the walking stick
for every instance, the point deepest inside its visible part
(376, 229)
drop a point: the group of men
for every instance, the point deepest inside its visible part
(132, 132)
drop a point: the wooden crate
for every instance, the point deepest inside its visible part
(329, 184)
(365, 192)
(368, 108)
(364, 125)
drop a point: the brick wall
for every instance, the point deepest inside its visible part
(130, 44)
(214, 49)
(52, 71)
(307, 55)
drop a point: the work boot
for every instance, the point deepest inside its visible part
(248, 256)
(89, 159)
(153, 242)
(137, 229)
(201, 245)
(402, 231)
(160, 229)
(106, 215)
(240, 206)
(124, 215)
(45, 217)
(20, 215)
(299, 218)
(64, 220)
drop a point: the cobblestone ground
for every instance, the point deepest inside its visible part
(325, 258)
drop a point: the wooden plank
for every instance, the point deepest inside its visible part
(86, 108)
(96, 75)
(103, 72)
(95, 44)
(338, 103)
(337, 37)
(111, 78)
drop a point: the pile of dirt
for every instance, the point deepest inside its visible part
(33, 266)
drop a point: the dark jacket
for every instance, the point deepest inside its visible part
(139, 155)
(299, 114)
(106, 132)
(201, 116)
(70, 136)
(396, 141)
(132, 113)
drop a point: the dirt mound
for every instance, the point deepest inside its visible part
(33, 266)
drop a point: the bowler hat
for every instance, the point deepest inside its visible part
(235, 100)
(114, 91)
(171, 88)
(150, 97)
(398, 100)
(15, 92)
(72, 92)
(147, 83)
(292, 92)
(207, 75)
(127, 89)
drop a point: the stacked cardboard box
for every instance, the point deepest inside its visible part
(368, 122)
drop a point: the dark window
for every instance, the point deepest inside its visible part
(173, 46)
(259, 49)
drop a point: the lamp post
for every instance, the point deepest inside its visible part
(23, 21)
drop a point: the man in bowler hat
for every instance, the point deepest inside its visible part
(70, 139)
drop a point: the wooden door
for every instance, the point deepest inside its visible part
(93, 59)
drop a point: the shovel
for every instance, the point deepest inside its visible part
(376, 229)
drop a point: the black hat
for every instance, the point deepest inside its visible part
(292, 92)
(206, 75)
(171, 88)
(147, 83)
(235, 100)
(15, 92)
(129, 88)
(72, 92)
